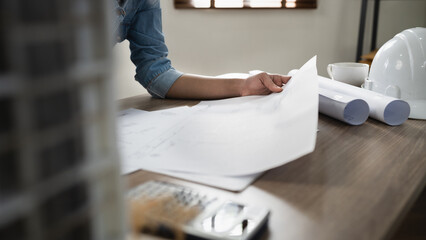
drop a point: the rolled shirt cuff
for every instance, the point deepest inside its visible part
(159, 87)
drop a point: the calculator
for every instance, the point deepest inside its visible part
(217, 219)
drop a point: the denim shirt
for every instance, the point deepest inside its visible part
(139, 21)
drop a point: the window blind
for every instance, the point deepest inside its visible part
(235, 4)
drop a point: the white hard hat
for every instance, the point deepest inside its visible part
(399, 70)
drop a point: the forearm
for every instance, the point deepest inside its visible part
(190, 86)
(200, 87)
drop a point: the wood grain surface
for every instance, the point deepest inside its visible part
(358, 183)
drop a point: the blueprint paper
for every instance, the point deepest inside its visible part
(246, 135)
(389, 110)
(137, 129)
(351, 110)
(139, 132)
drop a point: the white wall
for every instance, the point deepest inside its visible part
(212, 42)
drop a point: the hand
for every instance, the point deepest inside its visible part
(263, 84)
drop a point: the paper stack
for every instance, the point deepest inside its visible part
(225, 143)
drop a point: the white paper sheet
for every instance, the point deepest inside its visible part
(140, 131)
(247, 135)
(353, 111)
(389, 110)
(234, 183)
(138, 128)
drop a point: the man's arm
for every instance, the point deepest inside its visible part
(190, 86)
(155, 72)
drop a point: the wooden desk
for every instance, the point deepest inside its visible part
(357, 184)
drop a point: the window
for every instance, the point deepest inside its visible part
(232, 4)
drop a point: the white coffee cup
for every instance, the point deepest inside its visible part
(348, 72)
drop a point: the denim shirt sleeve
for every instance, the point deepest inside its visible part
(142, 26)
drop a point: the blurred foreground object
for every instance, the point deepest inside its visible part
(153, 214)
(179, 212)
(399, 70)
(59, 172)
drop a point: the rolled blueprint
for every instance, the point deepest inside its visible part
(353, 111)
(389, 110)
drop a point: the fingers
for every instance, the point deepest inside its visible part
(268, 81)
(273, 82)
(280, 79)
